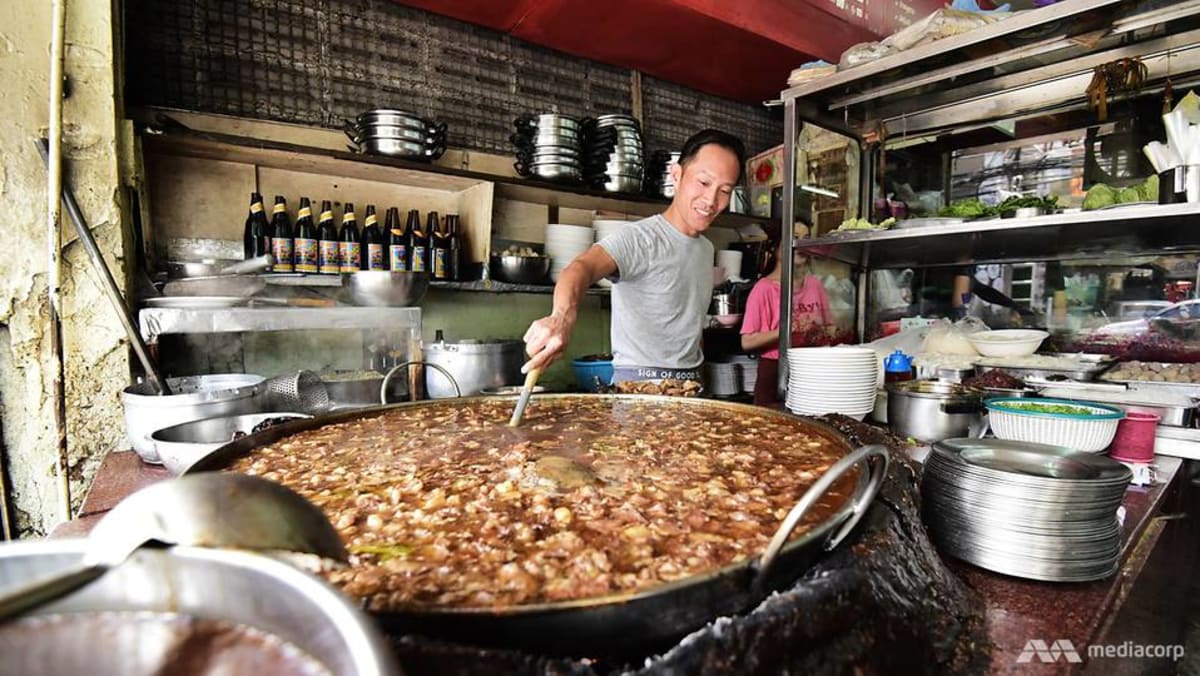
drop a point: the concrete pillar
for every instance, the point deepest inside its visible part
(95, 354)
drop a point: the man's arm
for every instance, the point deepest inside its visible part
(548, 337)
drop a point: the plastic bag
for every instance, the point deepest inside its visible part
(951, 338)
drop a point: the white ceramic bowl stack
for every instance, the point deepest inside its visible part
(564, 242)
(832, 380)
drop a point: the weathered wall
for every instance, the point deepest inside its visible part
(96, 361)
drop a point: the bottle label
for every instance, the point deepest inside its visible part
(439, 264)
(281, 248)
(325, 216)
(371, 220)
(306, 254)
(351, 256)
(348, 217)
(419, 264)
(304, 211)
(375, 257)
(279, 208)
(328, 257)
(399, 255)
(256, 208)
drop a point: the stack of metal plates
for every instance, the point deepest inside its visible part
(1027, 510)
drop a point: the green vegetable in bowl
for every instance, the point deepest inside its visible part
(1149, 189)
(968, 208)
(1049, 408)
(1099, 196)
(1129, 195)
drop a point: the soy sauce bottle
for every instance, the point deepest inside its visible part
(439, 248)
(397, 241)
(454, 258)
(327, 242)
(418, 243)
(349, 246)
(372, 242)
(305, 249)
(281, 237)
(256, 235)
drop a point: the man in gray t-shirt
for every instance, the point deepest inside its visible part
(663, 271)
(662, 291)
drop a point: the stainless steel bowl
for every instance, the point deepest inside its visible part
(401, 148)
(622, 183)
(235, 587)
(194, 397)
(399, 118)
(557, 172)
(383, 288)
(178, 446)
(520, 269)
(364, 133)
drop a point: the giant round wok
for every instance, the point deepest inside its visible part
(643, 619)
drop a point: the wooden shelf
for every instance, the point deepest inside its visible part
(292, 157)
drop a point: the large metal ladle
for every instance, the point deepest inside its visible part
(211, 509)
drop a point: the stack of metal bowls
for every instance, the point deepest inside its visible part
(548, 147)
(658, 174)
(396, 133)
(1027, 510)
(612, 154)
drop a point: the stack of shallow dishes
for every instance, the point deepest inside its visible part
(548, 147)
(396, 133)
(564, 242)
(658, 174)
(723, 379)
(613, 160)
(1028, 510)
(832, 380)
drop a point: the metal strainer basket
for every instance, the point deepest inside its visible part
(302, 391)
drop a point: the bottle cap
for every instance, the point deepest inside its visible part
(897, 362)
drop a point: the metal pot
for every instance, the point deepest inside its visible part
(474, 365)
(931, 410)
(239, 588)
(632, 622)
(195, 397)
(362, 134)
(399, 118)
(400, 148)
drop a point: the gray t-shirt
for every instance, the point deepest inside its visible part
(662, 292)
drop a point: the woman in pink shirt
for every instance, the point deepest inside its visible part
(760, 321)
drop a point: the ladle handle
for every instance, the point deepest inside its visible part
(107, 282)
(14, 602)
(877, 471)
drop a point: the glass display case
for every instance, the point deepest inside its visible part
(1005, 111)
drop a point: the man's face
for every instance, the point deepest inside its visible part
(704, 186)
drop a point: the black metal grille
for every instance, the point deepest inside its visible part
(319, 61)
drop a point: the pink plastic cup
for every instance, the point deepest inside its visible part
(1134, 441)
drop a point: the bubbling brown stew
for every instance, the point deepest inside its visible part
(446, 505)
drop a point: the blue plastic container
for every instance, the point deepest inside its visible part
(592, 375)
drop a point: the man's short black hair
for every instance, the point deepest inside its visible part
(714, 137)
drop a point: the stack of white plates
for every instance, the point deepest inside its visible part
(1028, 510)
(832, 380)
(723, 379)
(605, 228)
(564, 242)
(749, 368)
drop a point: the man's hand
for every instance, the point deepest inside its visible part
(547, 338)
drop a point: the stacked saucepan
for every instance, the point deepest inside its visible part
(396, 133)
(613, 155)
(658, 174)
(548, 147)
